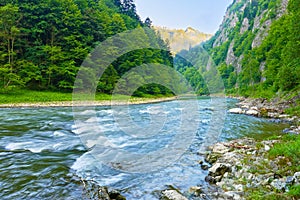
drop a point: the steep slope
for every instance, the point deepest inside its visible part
(180, 39)
(256, 48)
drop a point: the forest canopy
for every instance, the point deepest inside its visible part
(43, 43)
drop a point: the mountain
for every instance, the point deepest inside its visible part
(180, 39)
(256, 49)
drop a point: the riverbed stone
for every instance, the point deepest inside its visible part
(116, 195)
(172, 195)
(204, 167)
(196, 191)
(236, 111)
(252, 112)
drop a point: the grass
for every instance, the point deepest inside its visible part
(294, 192)
(31, 96)
(293, 111)
(289, 148)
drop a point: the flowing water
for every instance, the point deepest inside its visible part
(43, 154)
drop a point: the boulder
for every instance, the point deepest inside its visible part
(252, 112)
(236, 111)
(204, 167)
(279, 184)
(219, 169)
(220, 148)
(173, 195)
(196, 191)
(114, 194)
(212, 158)
(210, 179)
(297, 177)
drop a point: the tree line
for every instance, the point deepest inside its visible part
(43, 43)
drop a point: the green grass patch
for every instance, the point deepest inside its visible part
(290, 149)
(294, 192)
(294, 111)
(31, 96)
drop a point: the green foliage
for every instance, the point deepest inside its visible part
(43, 43)
(219, 53)
(228, 75)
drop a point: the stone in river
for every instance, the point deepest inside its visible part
(236, 111)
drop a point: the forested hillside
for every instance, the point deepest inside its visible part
(43, 43)
(257, 48)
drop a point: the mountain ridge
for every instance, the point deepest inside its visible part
(181, 39)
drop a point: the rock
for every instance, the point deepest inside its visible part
(219, 169)
(220, 148)
(173, 195)
(254, 108)
(230, 158)
(283, 116)
(252, 112)
(196, 191)
(212, 158)
(279, 184)
(290, 180)
(210, 179)
(267, 148)
(204, 167)
(236, 111)
(232, 195)
(297, 177)
(103, 193)
(114, 194)
(272, 115)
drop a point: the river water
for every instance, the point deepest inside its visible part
(44, 153)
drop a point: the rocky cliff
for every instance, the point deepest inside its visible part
(246, 21)
(256, 49)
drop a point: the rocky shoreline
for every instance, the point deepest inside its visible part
(240, 167)
(269, 109)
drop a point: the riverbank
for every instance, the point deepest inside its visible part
(30, 98)
(248, 168)
(251, 169)
(132, 101)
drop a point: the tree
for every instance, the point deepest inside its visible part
(9, 19)
(148, 22)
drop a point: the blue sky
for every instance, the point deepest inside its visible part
(204, 15)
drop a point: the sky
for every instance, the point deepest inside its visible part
(204, 15)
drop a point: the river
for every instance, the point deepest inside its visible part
(43, 154)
